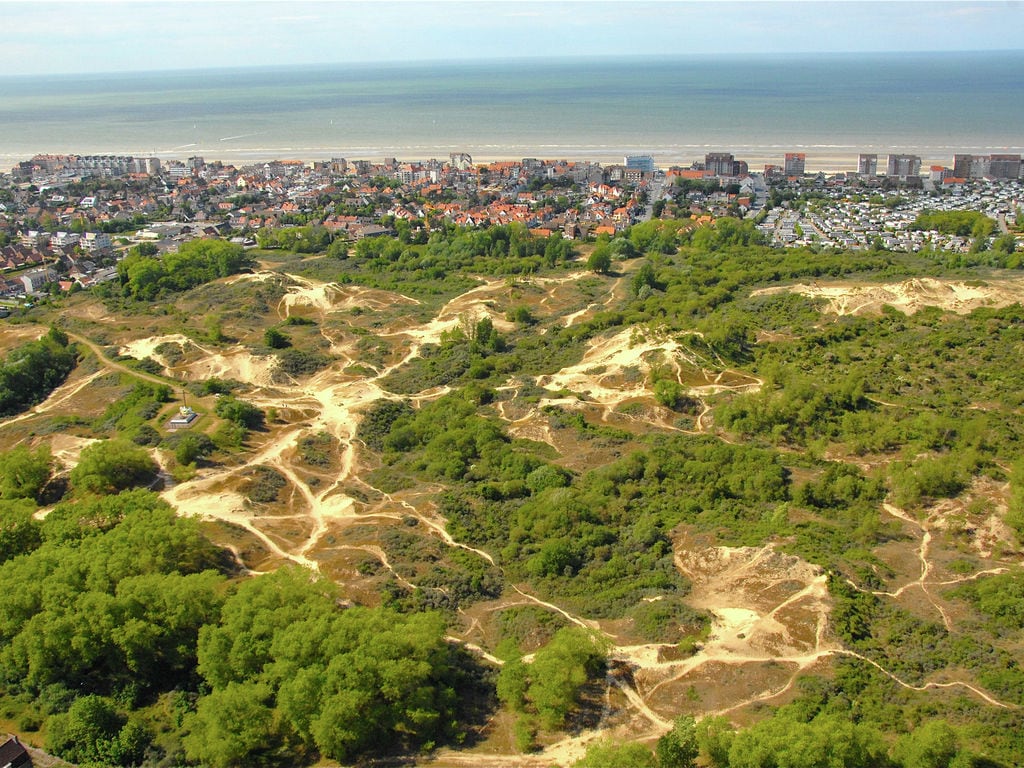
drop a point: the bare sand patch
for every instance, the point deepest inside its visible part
(67, 449)
(238, 364)
(332, 297)
(142, 348)
(909, 296)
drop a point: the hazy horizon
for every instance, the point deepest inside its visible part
(46, 38)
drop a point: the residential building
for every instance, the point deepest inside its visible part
(970, 166)
(904, 166)
(1004, 166)
(644, 163)
(867, 164)
(35, 280)
(720, 163)
(795, 163)
(96, 241)
(14, 755)
(461, 161)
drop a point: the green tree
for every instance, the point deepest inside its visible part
(274, 339)
(644, 278)
(31, 371)
(24, 472)
(110, 466)
(93, 731)
(670, 394)
(193, 446)
(558, 672)
(932, 745)
(243, 413)
(600, 259)
(1015, 509)
(679, 747)
(19, 531)
(345, 681)
(231, 725)
(714, 737)
(828, 741)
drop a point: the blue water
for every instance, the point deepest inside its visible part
(830, 106)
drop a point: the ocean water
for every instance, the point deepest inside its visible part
(831, 107)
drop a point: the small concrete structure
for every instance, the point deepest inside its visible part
(185, 418)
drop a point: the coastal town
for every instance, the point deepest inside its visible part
(66, 219)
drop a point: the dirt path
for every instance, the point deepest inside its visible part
(116, 366)
(984, 696)
(922, 581)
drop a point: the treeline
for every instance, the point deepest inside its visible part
(305, 239)
(792, 736)
(444, 264)
(961, 223)
(145, 277)
(30, 372)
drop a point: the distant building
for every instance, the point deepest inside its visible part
(795, 164)
(461, 161)
(643, 163)
(615, 173)
(867, 164)
(35, 280)
(96, 241)
(720, 163)
(904, 166)
(1004, 166)
(147, 165)
(970, 166)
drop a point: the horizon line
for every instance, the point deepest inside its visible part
(524, 59)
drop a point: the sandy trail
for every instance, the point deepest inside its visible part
(334, 403)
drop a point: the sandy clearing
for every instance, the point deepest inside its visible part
(617, 368)
(252, 277)
(332, 297)
(601, 373)
(142, 348)
(66, 449)
(237, 363)
(908, 296)
(21, 334)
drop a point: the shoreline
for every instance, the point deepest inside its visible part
(832, 159)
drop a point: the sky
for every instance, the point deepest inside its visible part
(43, 37)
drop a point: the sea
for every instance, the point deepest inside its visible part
(676, 108)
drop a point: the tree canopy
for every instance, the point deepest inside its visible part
(196, 262)
(30, 372)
